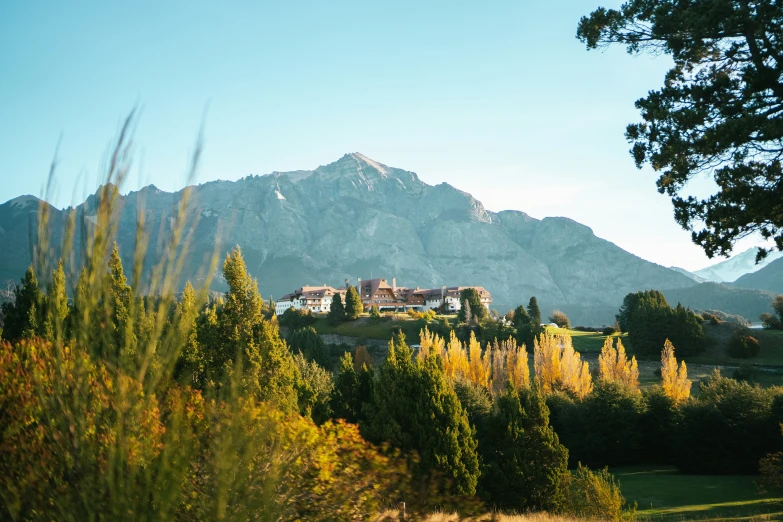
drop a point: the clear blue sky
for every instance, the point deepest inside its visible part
(496, 98)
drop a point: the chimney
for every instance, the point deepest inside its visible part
(359, 285)
(346, 284)
(442, 293)
(394, 284)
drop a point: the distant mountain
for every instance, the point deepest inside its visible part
(359, 218)
(737, 266)
(768, 278)
(691, 275)
(745, 302)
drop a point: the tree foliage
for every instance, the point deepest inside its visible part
(336, 313)
(675, 381)
(717, 113)
(614, 366)
(475, 308)
(353, 304)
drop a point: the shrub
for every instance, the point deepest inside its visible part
(771, 322)
(294, 319)
(609, 330)
(560, 319)
(594, 495)
(744, 346)
(745, 372)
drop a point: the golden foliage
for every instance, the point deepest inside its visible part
(614, 366)
(456, 362)
(559, 366)
(480, 368)
(676, 385)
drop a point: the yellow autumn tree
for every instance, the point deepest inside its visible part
(559, 366)
(574, 373)
(426, 341)
(509, 365)
(479, 368)
(456, 363)
(676, 385)
(546, 361)
(614, 366)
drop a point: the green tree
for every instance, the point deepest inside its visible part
(717, 113)
(246, 337)
(56, 305)
(353, 304)
(415, 408)
(21, 314)
(336, 313)
(307, 341)
(191, 366)
(478, 311)
(314, 389)
(523, 460)
(777, 305)
(534, 312)
(118, 296)
(346, 402)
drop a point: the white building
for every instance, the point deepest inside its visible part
(317, 299)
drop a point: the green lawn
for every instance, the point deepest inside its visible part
(663, 494)
(591, 342)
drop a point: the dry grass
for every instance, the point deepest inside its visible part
(393, 515)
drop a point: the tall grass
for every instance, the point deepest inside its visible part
(94, 426)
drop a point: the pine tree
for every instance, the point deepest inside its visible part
(524, 461)
(346, 402)
(191, 365)
(21, 315)
(415, 408)
(56, 304)
(353, 304)
(336, 312)
(534, 312)
(676, 385)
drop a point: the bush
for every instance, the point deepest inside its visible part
(295, 319)
(594, 495)
(744, 346)
(560, 319)
(771, 322)
(609, 330)
(745, 372)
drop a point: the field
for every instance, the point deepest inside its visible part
(663, 494)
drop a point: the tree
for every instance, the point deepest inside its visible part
(336, 313)
(475, 307)
(559, 366)
(534, 312)
(21, 314)
(614, 366)
(675, 380)
(314, 389)
(415, 408)
(346, 402)
(353, 304)
(307, 341)
(523, 460)
(56, 305)
(718, 112)
(191, 366)
(560, 319)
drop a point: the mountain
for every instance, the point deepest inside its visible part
(745, 302)
(737, 266)
(689, 274)
(359, 218)
(768, 278)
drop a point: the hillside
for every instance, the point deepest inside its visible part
(748, 303)
(769, 278)
(358, 218)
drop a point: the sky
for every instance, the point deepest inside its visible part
(496, 98)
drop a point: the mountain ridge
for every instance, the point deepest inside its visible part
(357, 217)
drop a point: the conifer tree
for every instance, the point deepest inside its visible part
(346, 402)
(675, 383)
(523, 460)
(415, 408)
(191, 365)
(353, 304)
(21, 315)
(56, 304)
(118, 302)
(336, 312)
(534, 312)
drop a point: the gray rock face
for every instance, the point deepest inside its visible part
(358, 218)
